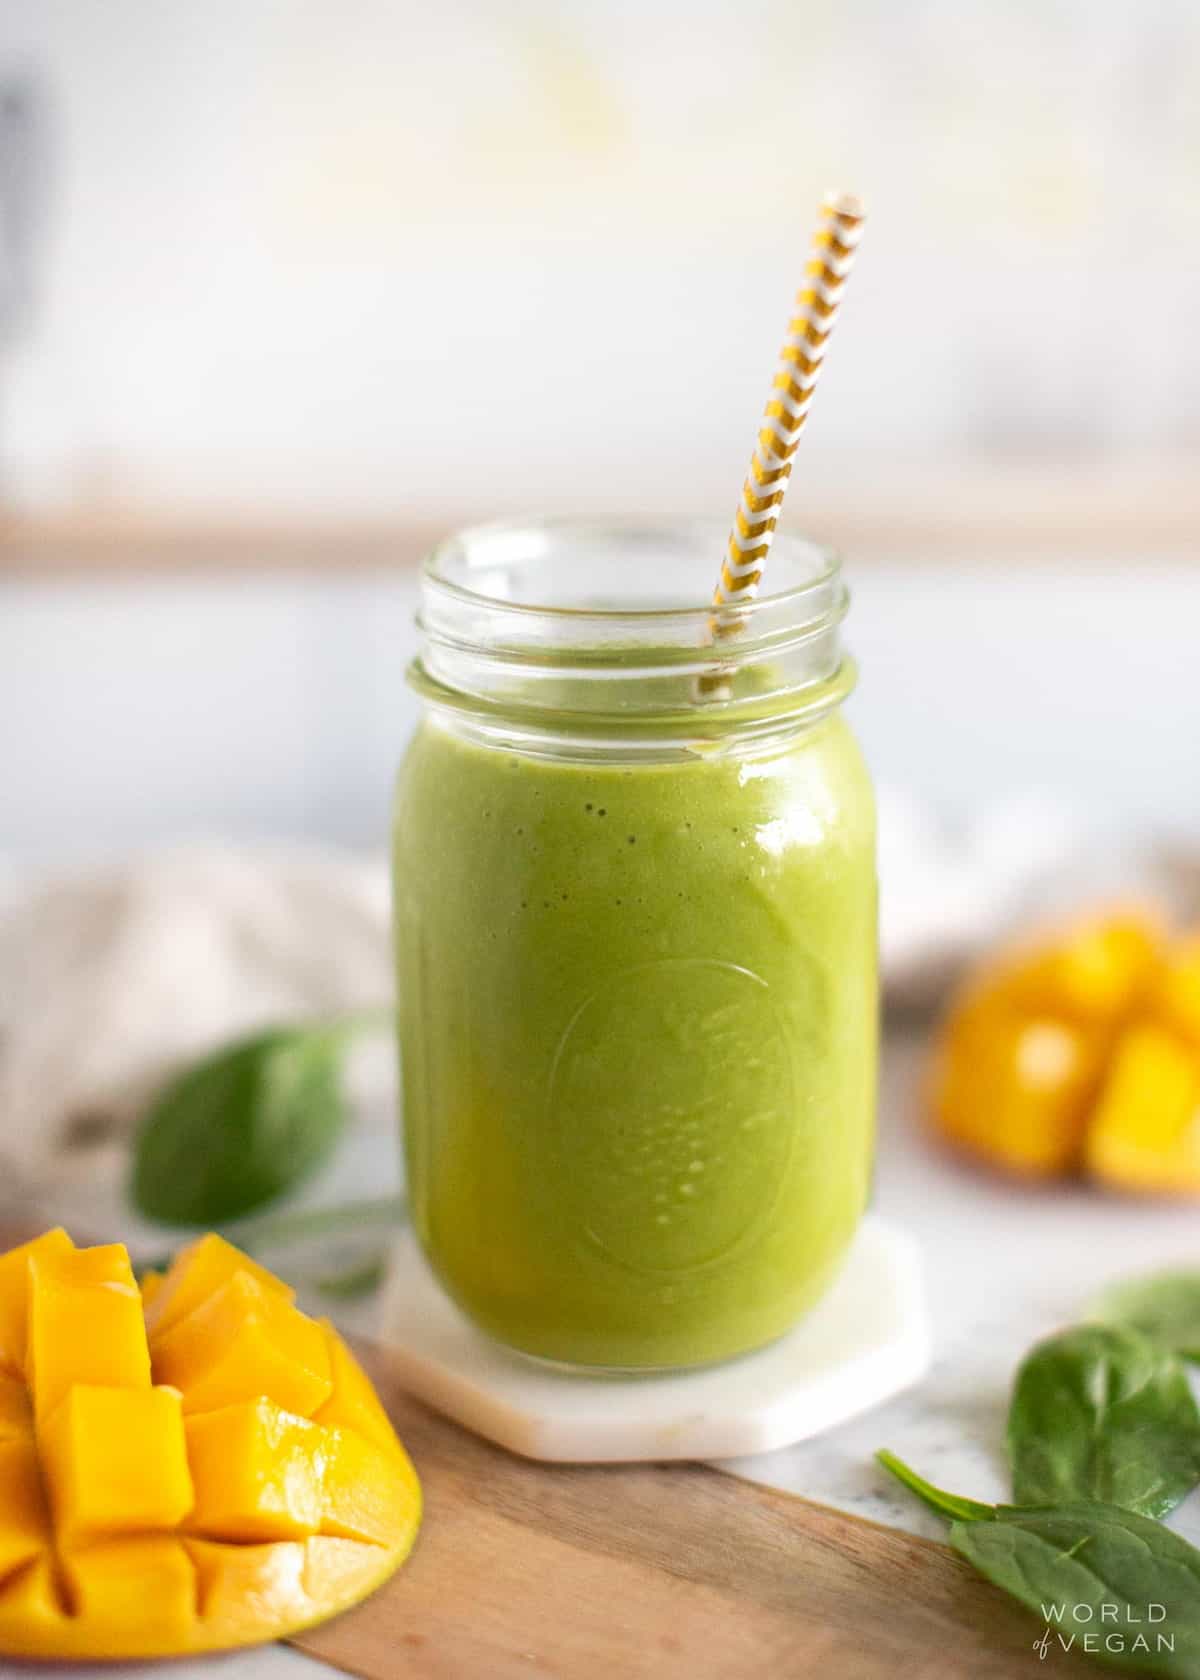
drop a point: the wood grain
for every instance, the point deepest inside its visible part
(664, 1572)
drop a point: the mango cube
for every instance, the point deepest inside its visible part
(24, 1519)
(258, 1473)
(14, 1296)
(353, 1402)
(116, 1461)
(1176, 999)
(1145, 1132)
(237, 1585)
(197, 1273)
(16, 1414)
(338, 1568)
(242, 1342)
(1016, 1088)
(145, 1585)
(85, 1324)
(32, 1614)
(365, 1490)
(1093, 973)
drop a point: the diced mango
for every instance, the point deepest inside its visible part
(33, 1617)
(258, 1473)
(1016, 1089)
(14, 1296)
(1145, 1132)
(367, 1494)
(353, 1402)
(1176, 997)
(85, 1324)
(145, 1585)
(140, 1521)
(16, 1414)
(1093, 973)
(116, 1462)
(241, 1586)
(24, 1519)
(197, 1273)
(242, 1342)
(344, 1569)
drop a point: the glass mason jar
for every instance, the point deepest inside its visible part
(636, 944)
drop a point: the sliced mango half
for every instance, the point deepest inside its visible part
(184, 1467)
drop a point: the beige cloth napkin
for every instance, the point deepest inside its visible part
(110, 980)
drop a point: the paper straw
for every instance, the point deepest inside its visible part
(800, 361)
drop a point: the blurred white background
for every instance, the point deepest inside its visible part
(357, 256)
(327, 267)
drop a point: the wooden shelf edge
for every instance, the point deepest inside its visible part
(1088, 511)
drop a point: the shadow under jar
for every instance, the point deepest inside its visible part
(636, 945)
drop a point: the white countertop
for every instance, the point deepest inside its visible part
(1004, 1266)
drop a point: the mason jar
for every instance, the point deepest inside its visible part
(635, 923)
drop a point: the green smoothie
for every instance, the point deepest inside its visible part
(638, 1033)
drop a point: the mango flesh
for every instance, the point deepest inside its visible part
(1176, 997)
(1081, 1053)
(1093, 973)
(14, 1296)
(85, 1325)
(244, 1339)
(203, 1268)
(141, 1480)
(1145, 1131)
(1016, 1089)
(164, 1494)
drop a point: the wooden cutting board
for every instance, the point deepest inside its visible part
(528, 1571)
(672, 1572)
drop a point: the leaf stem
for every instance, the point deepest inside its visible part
(276, 1230)
(949, 1505)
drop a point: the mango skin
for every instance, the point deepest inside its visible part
(134, 1526)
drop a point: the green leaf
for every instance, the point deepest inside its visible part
(241, 1127)
(353, 1282)
(1100, 1414)
(1164, 1306)
(1105, 1582)
(265, 1234)
(310, 1225)
(951, 1505)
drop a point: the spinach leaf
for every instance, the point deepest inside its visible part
(1100, 1414)
(1165, 1307)
(242, 1126)
(950, 1505)
(353, 1282)
(1123, 1588)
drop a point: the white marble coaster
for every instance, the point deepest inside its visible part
(867, 1340)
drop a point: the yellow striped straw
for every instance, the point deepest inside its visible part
(800, 362)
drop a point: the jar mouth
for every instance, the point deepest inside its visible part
(519, 551)
(602, 627)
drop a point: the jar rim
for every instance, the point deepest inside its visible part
(591, 627)
(502, 536)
